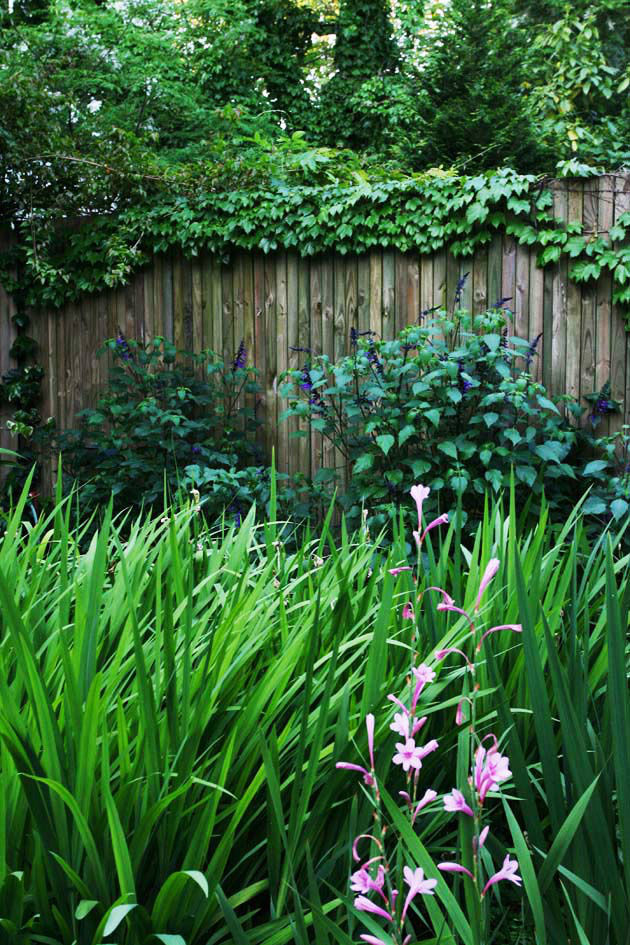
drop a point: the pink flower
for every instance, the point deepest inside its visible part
(482, 838)
(369, 724)
(491, 767)
(372, 940)
(514, 627)
(454, 868)
(397, 702)
(417, 725)
(459, 714)
(440, 520)
(417, 885)
(396, 571)
(491, 569)
(446, 598)
(347, 766)
(419, 494)
(440, 654)
(507, 871)
(456, 610)
(423, 674)
(362, 882)
(408, 613)
(400, 725)
(427, 797)
(363, 904)
(410, 756)
(456, 802)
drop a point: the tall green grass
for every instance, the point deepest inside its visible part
(172, 706)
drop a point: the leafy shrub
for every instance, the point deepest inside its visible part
(452, 401)
(168, 419)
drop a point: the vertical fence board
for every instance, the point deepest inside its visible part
(574, 301)
(555, 315)
(400, 291)
(281, 431)
(588, 329)
(426, 285)
(412, 307)
(271, 353)
(304, 341)
(293, 341)
(389, 294)
(603, 296)
(536, 314)
(363, 293)
(316, 306)
(479, 281)
(495, 259)
(260, 345)
(620, 338)
(376, 293)
(521, 292)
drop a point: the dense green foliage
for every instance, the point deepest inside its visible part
(453, 402)
(168, 421)
(173, 707)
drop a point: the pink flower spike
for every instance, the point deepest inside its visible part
(363, 904)
(408, 613)
(428, 796)
(491, 767)
(347, 766)
(454, 868)
(363, 836)
(491, 569)
(417, 725)
(514, 627)
(440, 520)
(396, 571)
(507, 871)
(419, 494)
(417, 885)
(369, 724)
(456, 803)
(397, 702)
(400, 725)
(372, 940)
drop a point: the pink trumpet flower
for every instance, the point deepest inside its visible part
(456, 610)
(408, 613)
(446, 598)
(514, 627)
(418, 885)
(396, 701)
(400, 725)
(507, 871)
(347, 766)
(427, 797)
(454, 868)
(423, 674)
(417, 725)
(363, 904)
(362, 882)
(410, 755)
(396, 571)
(372, 940)
(419, 494)
(491, 569)
(369, 724)
(491, 767)
(459, 714)
(456, 803)
(440, 520)
(482, 838)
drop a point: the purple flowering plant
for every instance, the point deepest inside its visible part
(385, 886)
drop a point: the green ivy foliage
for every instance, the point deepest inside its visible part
(423, 213)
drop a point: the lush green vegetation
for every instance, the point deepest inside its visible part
(173, 706)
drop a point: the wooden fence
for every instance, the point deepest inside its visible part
(281, 301)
